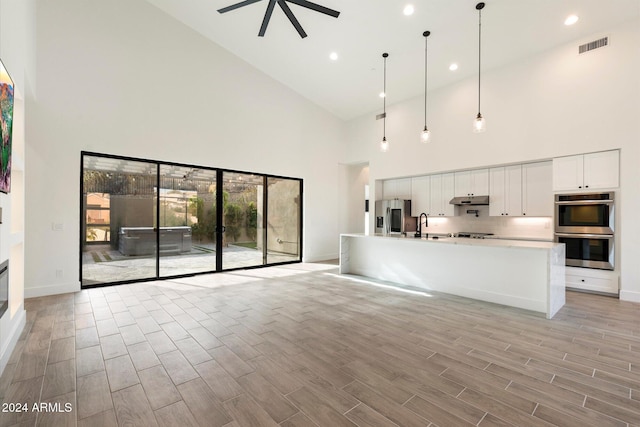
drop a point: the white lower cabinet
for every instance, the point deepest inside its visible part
(589, 279)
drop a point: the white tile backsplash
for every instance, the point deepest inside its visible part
(505, 227)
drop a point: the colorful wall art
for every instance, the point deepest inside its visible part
(6, 123)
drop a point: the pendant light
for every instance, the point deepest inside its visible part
(384, 145)
(426, 134)
(479, 124)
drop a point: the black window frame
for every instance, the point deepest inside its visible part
(218, 267)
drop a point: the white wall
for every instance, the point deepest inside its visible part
(353, 179)
(553, 104)
(121, 77)
(17, 50)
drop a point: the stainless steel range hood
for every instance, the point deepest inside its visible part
(470, 201)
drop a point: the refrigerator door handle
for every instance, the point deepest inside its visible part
(386, 221)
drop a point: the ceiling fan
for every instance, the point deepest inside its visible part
(287, 11)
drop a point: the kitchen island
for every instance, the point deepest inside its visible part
(523, 274)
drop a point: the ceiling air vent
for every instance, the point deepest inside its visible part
(593, 45)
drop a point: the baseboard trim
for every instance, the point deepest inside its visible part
(42, 291)
(318, 258)
(19, 322)
(631, 296)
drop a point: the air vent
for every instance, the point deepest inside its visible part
(593, 45)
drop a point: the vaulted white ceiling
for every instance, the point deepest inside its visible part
(511, 30)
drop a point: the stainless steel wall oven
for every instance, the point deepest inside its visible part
(585, 213)
(588, 250)
(585, 224)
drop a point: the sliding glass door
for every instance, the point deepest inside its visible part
(187, 212)
(118, 235)
(284, 220)
(145, 220)
(242, 217)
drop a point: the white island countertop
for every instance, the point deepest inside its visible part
(520, 273)
(490, 241)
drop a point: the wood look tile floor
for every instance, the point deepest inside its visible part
(302, 346)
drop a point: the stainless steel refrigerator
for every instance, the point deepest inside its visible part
(394, 217)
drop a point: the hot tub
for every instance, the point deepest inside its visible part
(142, 240)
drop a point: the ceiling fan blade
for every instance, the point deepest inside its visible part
(316, 7)
(237, 5)
(292, 18)
(267, 17)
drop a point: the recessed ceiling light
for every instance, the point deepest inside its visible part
(408, 10)
(333, 56)
(571, 19)
(382, 95)
(453, 67)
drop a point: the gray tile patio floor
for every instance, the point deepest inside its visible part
(102, 264)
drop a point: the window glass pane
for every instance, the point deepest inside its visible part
(118, 220)
(242, 218)
(97, 217)
(187, 220)
(283, 220)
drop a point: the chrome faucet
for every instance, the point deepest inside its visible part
(426, 224)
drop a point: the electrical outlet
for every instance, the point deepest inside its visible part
(57, 226)
(59, 274)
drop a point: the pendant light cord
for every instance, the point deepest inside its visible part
(384, 100)
(425, 78)
(479, 52)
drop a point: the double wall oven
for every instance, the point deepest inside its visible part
(585, 224)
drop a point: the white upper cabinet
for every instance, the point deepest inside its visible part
(505, 191)
(472, 183)
(448, 190)
(587, 171)
(480, 182)
(602, 170)
(420, 195)
(496, 191)
(568, 173)
(435, 196)
(537, 195)
(442, 191)
(396, 188)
